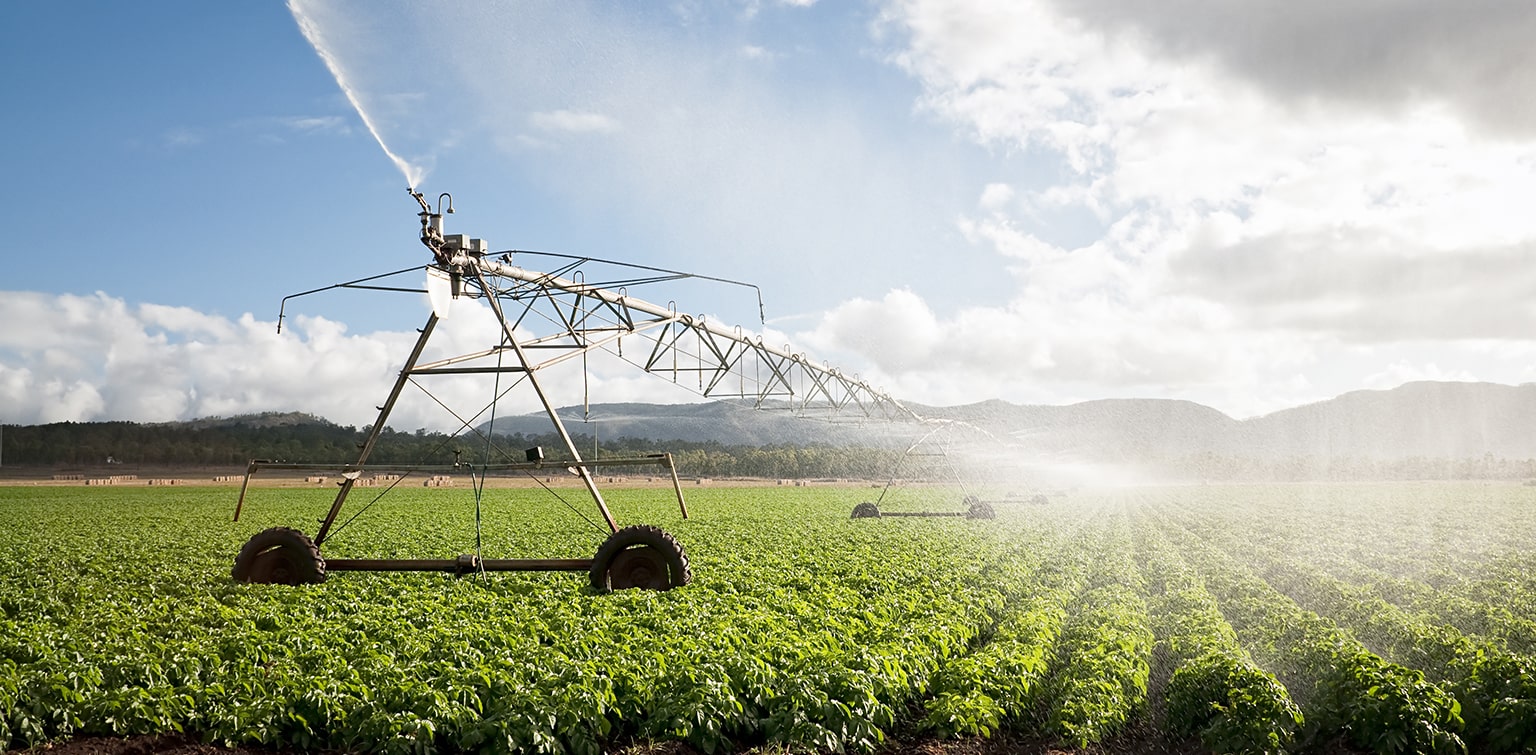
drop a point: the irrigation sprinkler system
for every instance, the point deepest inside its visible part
(547, 319)
(931, 449)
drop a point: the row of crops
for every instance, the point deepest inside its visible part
(1383, 618)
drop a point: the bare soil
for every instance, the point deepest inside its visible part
(149, 744)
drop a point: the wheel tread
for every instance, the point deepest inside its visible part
(680, 571)
(274, 538)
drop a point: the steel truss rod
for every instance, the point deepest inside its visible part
(562, 319)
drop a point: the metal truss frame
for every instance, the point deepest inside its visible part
(548, 319)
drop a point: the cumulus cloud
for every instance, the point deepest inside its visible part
(1388, 287)
(899, 332)
(102, 358)
(105, 359)
(1246, 204)
(1388, 57)
(1259, 218)
(1083, 326)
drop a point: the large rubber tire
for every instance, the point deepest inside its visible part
(640, 556)
(980, 510)
(866, 510)
(279, 556)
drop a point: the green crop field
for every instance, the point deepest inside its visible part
(1383, 618)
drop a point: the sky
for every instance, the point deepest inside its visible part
(1248, 205)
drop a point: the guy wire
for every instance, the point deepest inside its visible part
(485, 469)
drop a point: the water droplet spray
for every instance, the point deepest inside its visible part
(413, 173)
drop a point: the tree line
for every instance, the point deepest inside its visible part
(236, 441)
(233, 442)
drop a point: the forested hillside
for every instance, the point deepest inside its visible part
(234, 441)
(1418, 431)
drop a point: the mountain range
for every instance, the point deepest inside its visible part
(1421, 419)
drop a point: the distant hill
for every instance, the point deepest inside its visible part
(724, 422)
(1108, 429)
(1423, 419)
(1416, 419)
(1426, 430)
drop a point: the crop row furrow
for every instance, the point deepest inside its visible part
(1102, 661)
(1496, 690)
(1341, 686)
(1483, 599)
(997, 683)
(1213, 690)
(1490, 622)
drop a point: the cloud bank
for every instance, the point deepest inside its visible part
(1284, 194)
(1250, 205)
(101, 358)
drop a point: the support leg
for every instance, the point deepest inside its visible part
(349, 476)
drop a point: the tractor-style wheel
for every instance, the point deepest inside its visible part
(640, 556)
(980, 510)
(279, 556)
(866, 510)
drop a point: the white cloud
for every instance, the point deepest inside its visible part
(1381, 58)
(35, 399)
(101, 358)
(898, 333)
(1254, 225)
(316, 124)
(573, 122)
(1244, 204)
(996, 196)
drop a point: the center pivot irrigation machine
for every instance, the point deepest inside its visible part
(925, 462)
(547, 319)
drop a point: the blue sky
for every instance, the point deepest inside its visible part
(1251, 206)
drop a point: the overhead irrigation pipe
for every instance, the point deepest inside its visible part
(460, 259)
(762, 313)
(283, 307)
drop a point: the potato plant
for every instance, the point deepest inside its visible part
(1215, 691)
(1391, 616)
